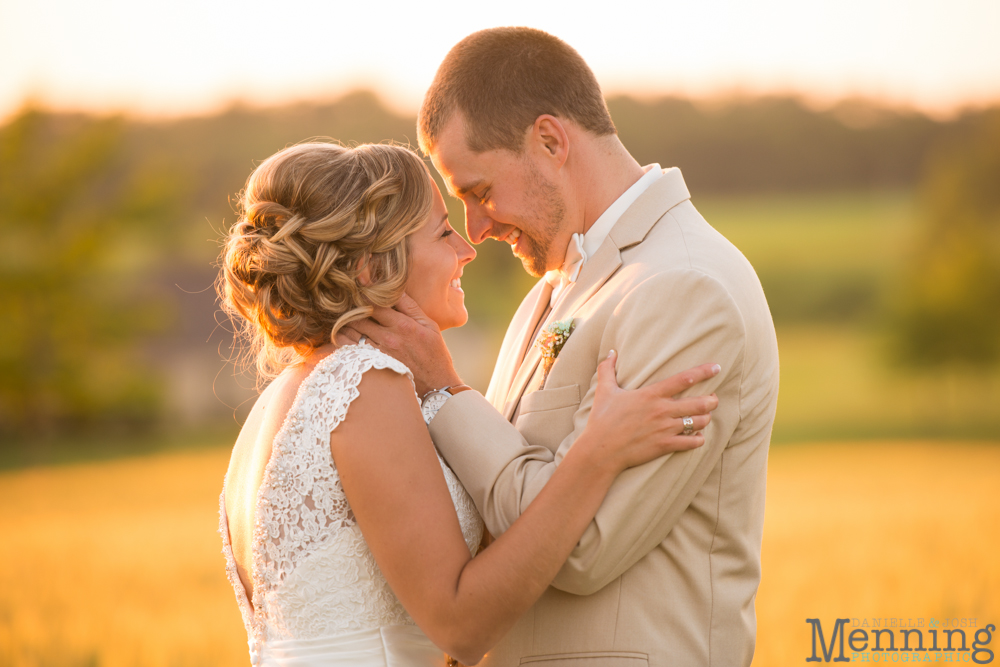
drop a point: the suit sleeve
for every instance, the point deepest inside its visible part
(501, 471)
(666, 324)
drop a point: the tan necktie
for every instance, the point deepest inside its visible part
(567, 274)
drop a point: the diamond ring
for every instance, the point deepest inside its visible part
(688, 425)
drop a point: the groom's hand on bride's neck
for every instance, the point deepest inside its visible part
(406, 333)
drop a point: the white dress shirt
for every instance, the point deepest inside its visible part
(582, 246)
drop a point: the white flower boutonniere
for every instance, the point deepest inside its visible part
(551, 341)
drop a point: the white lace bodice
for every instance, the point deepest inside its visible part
(313, 575)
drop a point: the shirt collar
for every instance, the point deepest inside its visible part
(582, 246)
(599, 231)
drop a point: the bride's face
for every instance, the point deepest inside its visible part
(437, 256)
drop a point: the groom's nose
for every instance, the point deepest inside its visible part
(477, 225)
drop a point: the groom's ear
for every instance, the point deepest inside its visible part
(550, 137)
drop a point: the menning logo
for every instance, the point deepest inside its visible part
(882, 640)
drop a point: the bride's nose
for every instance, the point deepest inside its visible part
(466, 253)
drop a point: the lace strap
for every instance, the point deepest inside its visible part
(349, 364)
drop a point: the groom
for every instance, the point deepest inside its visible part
(667, 572)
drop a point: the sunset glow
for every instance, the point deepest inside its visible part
(182, 57)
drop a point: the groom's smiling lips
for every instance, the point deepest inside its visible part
(515, 233)
(510, 237)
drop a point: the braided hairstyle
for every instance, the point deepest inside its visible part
(312, 217)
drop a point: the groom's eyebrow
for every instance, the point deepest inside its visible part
(462, 190)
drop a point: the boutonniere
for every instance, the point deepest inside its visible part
(551, 341)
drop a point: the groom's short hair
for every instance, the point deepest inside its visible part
(501, 80)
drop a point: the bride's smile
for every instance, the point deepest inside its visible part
(438, 254)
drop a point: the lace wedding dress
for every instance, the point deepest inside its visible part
(318, 595)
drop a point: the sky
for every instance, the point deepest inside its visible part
(156, 58)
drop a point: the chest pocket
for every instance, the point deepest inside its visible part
(546, 415)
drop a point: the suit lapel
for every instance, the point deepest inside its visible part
(635, 223)
(594, 274)
(516, 344)
(665, 193)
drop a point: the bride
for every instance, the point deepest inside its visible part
(348, 540)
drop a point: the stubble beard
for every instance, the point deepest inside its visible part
(546, 225)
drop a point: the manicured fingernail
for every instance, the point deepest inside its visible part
(716, 369)
(611, 353)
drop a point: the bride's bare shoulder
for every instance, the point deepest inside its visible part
(385, 400)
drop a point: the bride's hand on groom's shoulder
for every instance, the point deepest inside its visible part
(407, 334)
(636, 426)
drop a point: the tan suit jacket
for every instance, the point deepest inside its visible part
(667, 572)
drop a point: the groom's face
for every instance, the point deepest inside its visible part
(506, 198)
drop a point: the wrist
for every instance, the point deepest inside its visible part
(450, 390)
(599, 465)
(445, 380)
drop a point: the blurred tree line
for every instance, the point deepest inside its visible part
(776, 144)
(111, 227)
(949, 305)
(77, 222)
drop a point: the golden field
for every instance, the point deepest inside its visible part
(119, 563)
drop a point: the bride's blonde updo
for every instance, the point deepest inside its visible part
(311, 218)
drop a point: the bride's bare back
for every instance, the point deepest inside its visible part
(250, 456)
